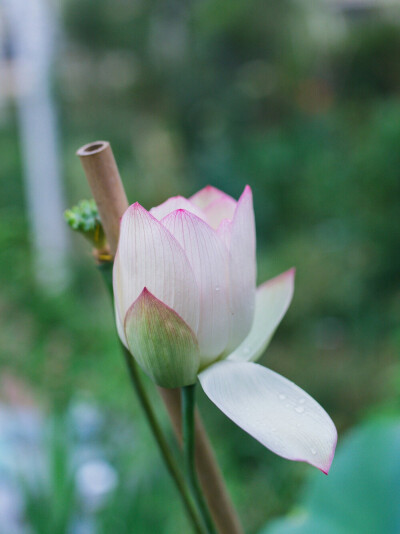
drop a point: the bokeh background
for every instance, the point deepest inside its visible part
(298, 98)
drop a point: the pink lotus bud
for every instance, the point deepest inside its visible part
(186, 303)
(196, 259)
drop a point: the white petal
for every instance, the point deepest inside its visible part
(242, 269)
(209, 194)
(222, 208)
(224, 232)
(208, 257)
(272, 301)
(120, 326)
(175, 203)
(273, 410)
(149, 256)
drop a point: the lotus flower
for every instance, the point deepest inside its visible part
(187, 306)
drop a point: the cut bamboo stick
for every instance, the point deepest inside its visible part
(108, 191)
(105, 182)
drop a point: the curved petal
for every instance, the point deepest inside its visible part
(175, 203)
(207, 196)
(149, 256)
(273, 410)
(224, 232)
(120, 325)
(208, 257)
(272, 301)
(242, 269)
(161, 342)
(222, 208)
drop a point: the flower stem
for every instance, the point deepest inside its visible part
(168, 457)
(188, 427)
(166, 454)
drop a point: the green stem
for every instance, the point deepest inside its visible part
(188, 429)
(166, 454)
(169, 459)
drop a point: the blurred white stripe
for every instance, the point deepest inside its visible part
(31, 25)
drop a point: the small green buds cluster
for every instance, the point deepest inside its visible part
(84, 218)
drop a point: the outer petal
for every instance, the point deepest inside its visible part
(272, 301)
(120, 325)
(161, 342)
(222, 208)
(242, 269)
(224, 232)
(149, 256)
(273, 410)
(207, 196)
(175, 203)
(208, 257)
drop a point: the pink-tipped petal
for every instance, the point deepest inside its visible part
(224, 232)
(175, 203)
(273, 410)
(208, 257)
(272, 301)
(149, 256)
(222, 208)
(161, 342)
(209, 194)
(242, 270)
(120, 325)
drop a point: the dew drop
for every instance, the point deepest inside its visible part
(273, 429)
(282, 397)
(302, 401)
(217, 289)
(246, 350)
(299, 409)
(313, 451)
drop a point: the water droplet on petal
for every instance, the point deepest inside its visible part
(299, 409)
(313, 451)
(281, 396)
(246, 350)
(217, 289)
(302, 401)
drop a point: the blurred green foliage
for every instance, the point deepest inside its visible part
(362, 493)
(51, 496)
(298, 100)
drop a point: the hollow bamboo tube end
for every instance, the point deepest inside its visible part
(92, 148)
(105, 182)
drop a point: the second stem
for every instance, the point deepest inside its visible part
(188, 430)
